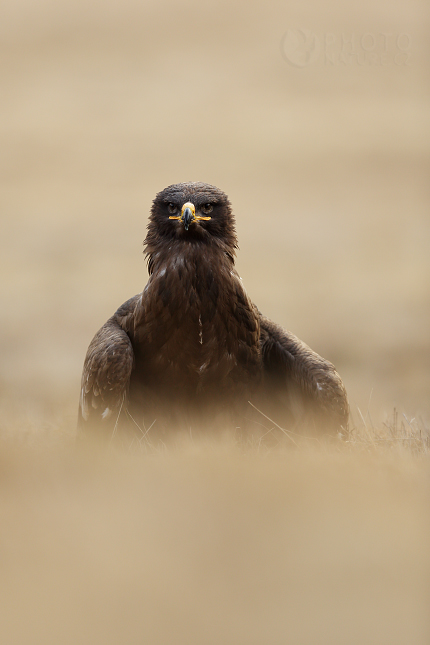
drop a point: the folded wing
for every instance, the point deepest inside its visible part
(106, 376)
(305, 388)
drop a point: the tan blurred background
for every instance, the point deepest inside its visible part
(321, 146)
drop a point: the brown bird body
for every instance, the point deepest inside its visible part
(192, 348)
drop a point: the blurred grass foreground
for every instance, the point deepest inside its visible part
(209, 541)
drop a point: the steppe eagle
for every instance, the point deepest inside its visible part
(192, 349)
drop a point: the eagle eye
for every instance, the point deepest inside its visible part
(172, 208)
(207, 208)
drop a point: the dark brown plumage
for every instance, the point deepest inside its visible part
(192, 348)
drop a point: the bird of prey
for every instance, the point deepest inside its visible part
(192, 348)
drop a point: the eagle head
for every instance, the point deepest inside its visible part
(191, 212)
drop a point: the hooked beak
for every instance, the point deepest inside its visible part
(188, 215)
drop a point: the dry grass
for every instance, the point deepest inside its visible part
(215, 541)
(397, 433)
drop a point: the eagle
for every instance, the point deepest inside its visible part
(192, 350)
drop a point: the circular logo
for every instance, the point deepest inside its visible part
(300, 47)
